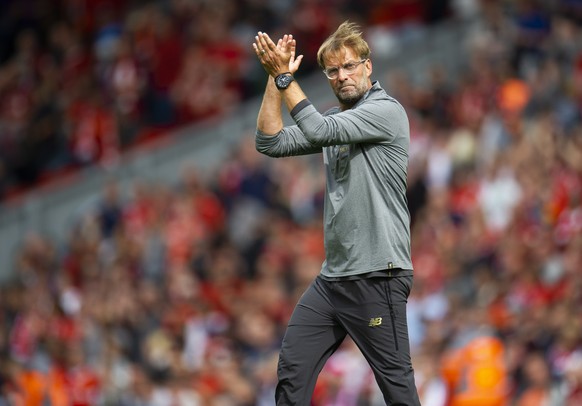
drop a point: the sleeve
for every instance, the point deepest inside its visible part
(290, 141)
(379, 120)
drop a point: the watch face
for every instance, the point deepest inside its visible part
(283, 81)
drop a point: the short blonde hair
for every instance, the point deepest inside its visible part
(348, 35)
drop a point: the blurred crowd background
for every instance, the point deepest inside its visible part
(84, 80)
(179, 294)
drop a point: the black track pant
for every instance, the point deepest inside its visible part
(373, 312)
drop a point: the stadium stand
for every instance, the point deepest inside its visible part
(174, 287)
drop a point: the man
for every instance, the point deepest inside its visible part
(366, 278)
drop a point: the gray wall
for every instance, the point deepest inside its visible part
(53, 210)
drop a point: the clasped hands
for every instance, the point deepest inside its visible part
(277, 58)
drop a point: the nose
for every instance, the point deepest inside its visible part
(341, 75)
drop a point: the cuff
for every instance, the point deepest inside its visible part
(300, 106)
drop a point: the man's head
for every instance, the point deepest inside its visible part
(344, 57)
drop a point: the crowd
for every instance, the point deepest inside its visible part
(178, 294)
(81, 81)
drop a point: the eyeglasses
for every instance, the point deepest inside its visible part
(348, 68)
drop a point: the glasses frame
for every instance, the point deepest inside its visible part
(343, 67)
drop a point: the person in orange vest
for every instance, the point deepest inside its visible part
(476, 373)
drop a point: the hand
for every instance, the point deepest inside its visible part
(279, 58)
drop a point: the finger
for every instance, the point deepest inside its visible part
(262, 40)
(284, 41)
(290, 43)
(268, 41)
(259, 50)
(297, 61)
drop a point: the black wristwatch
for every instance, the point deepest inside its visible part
(283, 80)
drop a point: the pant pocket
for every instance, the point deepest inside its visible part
(391, 310)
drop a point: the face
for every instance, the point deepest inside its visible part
(349, 87)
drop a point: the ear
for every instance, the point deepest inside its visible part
(368, 65)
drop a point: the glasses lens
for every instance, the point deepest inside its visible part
(332, 72)
(350, 67)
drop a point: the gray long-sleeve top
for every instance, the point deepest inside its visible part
(365, 154)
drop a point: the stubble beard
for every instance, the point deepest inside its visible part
(351, 96)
